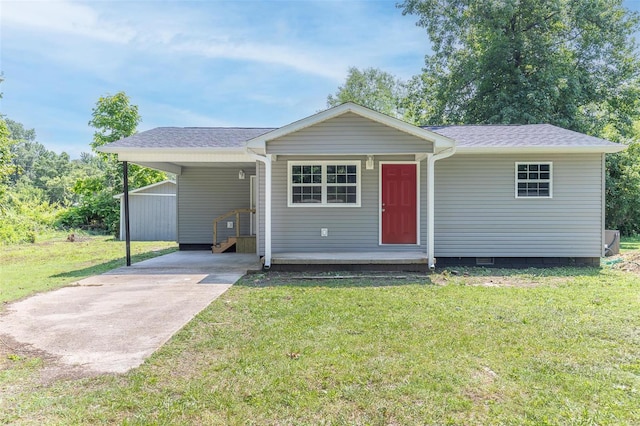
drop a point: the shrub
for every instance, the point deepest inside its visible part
(25, 213)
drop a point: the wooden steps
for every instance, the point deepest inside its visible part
(225, 245)
(243, 243)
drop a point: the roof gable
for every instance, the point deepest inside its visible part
(348, 134)
(441, 141)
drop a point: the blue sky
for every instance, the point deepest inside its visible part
(192, 63)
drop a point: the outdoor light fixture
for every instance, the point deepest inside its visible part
(241, 174)
(369, 162)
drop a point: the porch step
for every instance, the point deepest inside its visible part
(350, 261)
(224, 246)
(349, 258)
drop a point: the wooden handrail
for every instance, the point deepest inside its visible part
(236, 212)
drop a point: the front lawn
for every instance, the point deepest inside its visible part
(474, 346)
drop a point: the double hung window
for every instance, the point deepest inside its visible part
(324, 183)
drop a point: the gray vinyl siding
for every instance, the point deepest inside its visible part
(206, 193)
(349, 134)
(151, 218)
(166, 188)
(297, 229)
(152, 214)
(477, 214)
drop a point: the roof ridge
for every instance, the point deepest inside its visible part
(215, 127)
(489, 125)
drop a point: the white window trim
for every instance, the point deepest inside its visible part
(550, 164)
(417, 164)
(324, 164)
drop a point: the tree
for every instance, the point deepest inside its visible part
(114, 118)
(5, 153)
(18, 133)
(623, 183)
(571, 63)
(372, 88)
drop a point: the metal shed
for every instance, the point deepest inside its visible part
(152, 212)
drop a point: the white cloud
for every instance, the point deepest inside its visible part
(149, 33)
(64, 17)
(264, 53)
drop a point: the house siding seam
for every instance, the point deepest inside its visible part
(350, 229)
(349, 134)
(206, 193)
(477, 215)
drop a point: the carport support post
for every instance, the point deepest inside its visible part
(125, 184)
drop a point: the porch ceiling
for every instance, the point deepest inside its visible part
(177, 167)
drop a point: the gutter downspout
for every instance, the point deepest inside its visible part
(431, 160)
(266, 159)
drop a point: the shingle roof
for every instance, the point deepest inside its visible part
(466, 136)
(514, 136)
(190, 137)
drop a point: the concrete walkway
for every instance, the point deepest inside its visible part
(110, 323)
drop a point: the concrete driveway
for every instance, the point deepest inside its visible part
(110, 323)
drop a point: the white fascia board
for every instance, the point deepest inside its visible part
(439, 140)
(421, 155)
(606, 149)
(182, 155)
(257, 150)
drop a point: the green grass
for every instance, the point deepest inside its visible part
(532, 347)
(54, 262)
(630, 243)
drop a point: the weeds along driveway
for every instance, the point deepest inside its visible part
(110, 323)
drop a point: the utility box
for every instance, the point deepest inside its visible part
(611, 242)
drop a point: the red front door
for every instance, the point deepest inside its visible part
(399, 224)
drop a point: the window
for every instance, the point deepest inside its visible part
(324, 184)
(534, 180)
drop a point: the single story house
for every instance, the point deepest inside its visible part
(349, 185)
(152, 215)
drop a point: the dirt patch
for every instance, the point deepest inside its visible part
(371, 279)
(628, 262)
(482, 391)
(48, 368)
(493, 278)
(465, 276)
